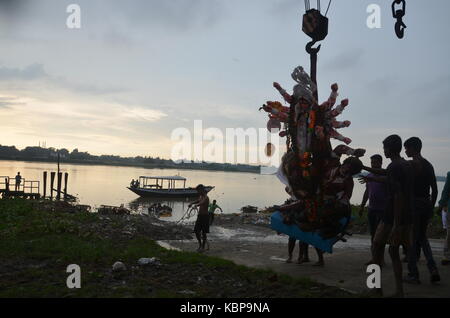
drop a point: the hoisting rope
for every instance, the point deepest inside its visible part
(190, 212)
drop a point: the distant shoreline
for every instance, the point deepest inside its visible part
(146, 166)
(156, 166)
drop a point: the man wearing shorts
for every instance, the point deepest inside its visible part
(395, 226)
(201, 227)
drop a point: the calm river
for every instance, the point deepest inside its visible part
(97, 185)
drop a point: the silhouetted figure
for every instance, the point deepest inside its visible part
(18, 181)
(201, 227)
(396, 225)
(376, 194)
(424, 180)
(443, 206)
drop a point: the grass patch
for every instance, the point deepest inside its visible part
(38, 244)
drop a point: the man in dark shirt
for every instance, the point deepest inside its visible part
(424, 180)
(395, 226)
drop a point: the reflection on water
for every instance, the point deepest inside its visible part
(97, 185)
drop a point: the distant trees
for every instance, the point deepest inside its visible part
(9, 152)
(50, 154)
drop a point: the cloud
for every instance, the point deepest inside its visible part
(31, 72)
(98, 125)
(36, 71)
(180, 15)
(346, 60)
(8, 102)
(285, 7)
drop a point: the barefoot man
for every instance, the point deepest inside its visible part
(201, 227)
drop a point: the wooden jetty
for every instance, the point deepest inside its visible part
(30, 189)
(25, 189)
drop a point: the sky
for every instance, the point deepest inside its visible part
(136, 70)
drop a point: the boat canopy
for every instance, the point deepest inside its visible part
(177, 178)
(163, 182)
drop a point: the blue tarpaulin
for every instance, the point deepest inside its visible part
(312, 238)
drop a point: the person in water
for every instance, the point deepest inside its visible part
(201, 228)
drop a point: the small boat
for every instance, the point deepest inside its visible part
(109, 209)
(249, 209)
(163, 187)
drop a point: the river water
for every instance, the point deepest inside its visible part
(97, 185)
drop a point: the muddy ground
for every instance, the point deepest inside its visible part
(248, 240)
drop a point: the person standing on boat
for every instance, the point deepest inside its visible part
(211, 209)
(201, 227)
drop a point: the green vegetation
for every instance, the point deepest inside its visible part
(360, 224)
(75, 156)
(37, 244)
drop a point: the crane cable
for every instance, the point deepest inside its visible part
(329, 3)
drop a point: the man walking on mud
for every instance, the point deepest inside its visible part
(424, 180)
(201, 227)
(212, 209)
(395, 227)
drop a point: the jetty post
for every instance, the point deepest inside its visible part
(66, 177)
(52, 182)
(58, 189)
(45, 184)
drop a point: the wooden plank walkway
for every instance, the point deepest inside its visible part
(19, 194)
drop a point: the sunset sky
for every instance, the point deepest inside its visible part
(138, 69)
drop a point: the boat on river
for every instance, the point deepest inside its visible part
(164, 187)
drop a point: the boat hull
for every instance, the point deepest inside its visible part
(166, 193)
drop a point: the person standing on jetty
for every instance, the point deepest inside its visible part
(201, 227)
(443, 206)
(424, 180)
(18, 181)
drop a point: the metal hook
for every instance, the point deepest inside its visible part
(400, 29)
(310, 49)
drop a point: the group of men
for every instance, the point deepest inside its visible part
(401, 204)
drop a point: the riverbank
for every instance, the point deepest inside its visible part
(180, 166)
(359, 224)
(39, 241)
(247, 241)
